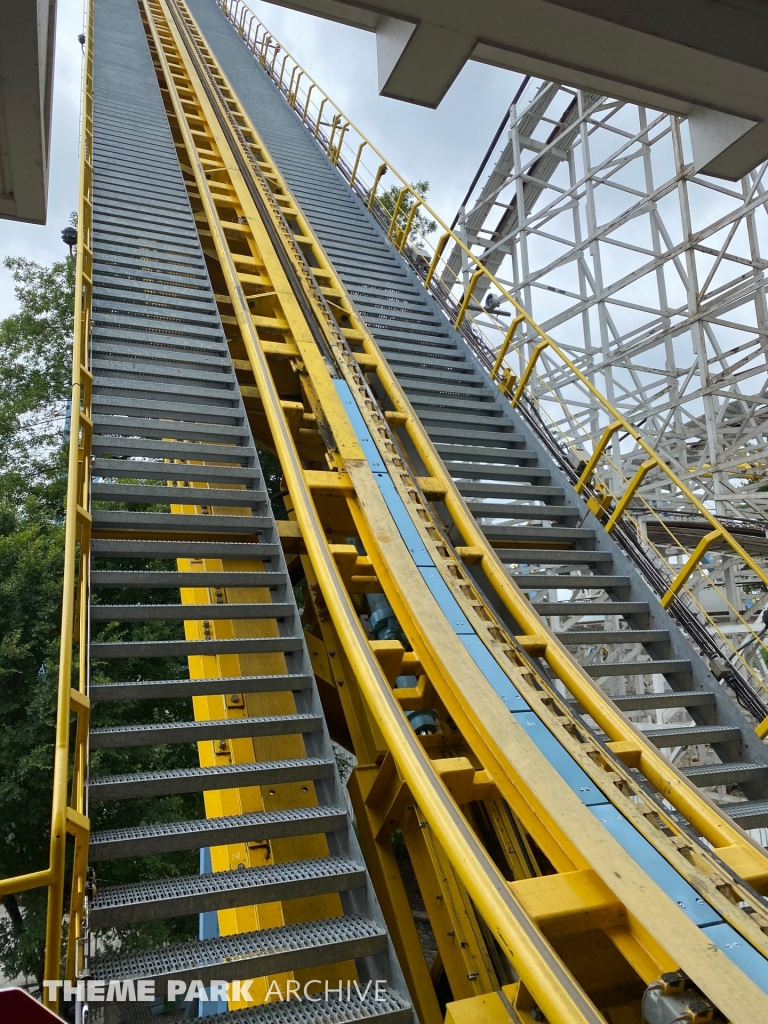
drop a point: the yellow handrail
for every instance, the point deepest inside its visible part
(68, 814)
(505, 378)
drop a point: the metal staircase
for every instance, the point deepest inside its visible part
(527, 865)
(171, 436)
(556, 550)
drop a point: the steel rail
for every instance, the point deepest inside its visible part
(68, 815)
(703, 814)
(708, 818)
(548, 980)
(507, 381)
(230, 90)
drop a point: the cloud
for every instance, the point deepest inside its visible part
(443, 146)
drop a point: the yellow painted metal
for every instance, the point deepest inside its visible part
(708, 819)
(505, 345)
(541, 801)
(541, 343)
(557, 990)
(386, 562)
(67, 815)
(387, 880)
(487, 1009)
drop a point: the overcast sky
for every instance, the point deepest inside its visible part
(443, 146)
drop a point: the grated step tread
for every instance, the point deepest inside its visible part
(222, 890)
(112, 737)
(250, 954)
(135, 785)
(386, 1008)
(171, 836)
(151, 689)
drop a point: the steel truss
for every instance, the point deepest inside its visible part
(649, 275)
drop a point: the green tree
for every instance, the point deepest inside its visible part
(34, 375)
(35, 370)
(420, 225)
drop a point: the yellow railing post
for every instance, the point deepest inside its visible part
(529, 369)
(306, 103)
(382, 170)
(332, 133)
(441, 244)
(505, 345)
(320, 116)
(291, 94)
(337, 152)
(396, 212)
(480, 272)
(408, 224)
(626, 498)
(356, 164)
(701, 549)
(596, 455)
(282, 71)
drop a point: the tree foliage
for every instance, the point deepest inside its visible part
(421, 225)
(35, 370)
(34, 375)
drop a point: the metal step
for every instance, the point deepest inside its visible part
(189, 648)
(461, 471)
(228, 550)
(488, 456)
(594, 637)
(173, 353)
(183, 394)
(563, 581)
(551, 556)
(750, 814)
(197, 780)
(642, 668)
(158, 495)
(440, 401)
(548, 608)
(223, 890)
(141, 469)
(727, 774)
(180, 580)
(490, 419)
(227, 416)
(167, 689)
(250, 954)
(114, 737)
(419, 391)
(189, 612)
(386, 1007)
(159, 371)
(496, 510)
(674, 735)
(512, 490)
(540, 536)
(500, 434)
(164, 522)
(179, 430)
(135, 447)
(656, 701)
(173, 836)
